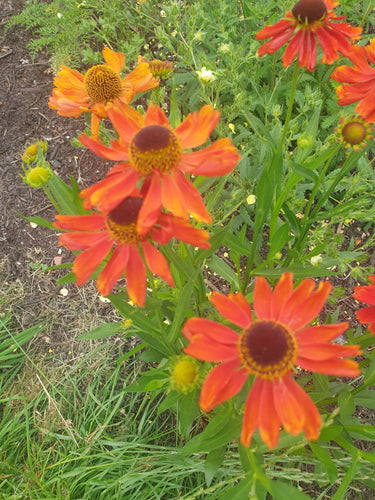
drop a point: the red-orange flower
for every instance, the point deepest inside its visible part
(361, 78)
(101, 84)
(98, 234)
(308, 22)
(153, 151)
(366, 294)
(269, 348)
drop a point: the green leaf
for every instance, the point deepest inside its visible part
(179, 317)
(222, 429)
(102, 331)
(188, 407)
(38, 220)
(213, 461)
(223, 270)
(240, 491)
(325, 459)
(279, 240)
(366, 399)
(284, 491)
(347, 479)
(303, 171)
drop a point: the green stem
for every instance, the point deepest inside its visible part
(52, 199)
(275, 173)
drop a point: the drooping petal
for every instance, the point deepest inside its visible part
(157, 263)
(113, 270)
(151, 207)
(251, 416)
(87, 261)
(269, 421)
(136, 277)
(366, 314)
(172, 198)
(290, 413)
(192, 198)
(222, 383)
(296, 300)
(197, 127)
(312, 418)
(204, 348)
(182, 230)
(233, 307)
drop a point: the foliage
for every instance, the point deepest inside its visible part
(286, 207)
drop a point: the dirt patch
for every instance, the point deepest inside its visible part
(32, 294)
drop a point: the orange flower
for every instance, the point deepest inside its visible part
(153, 151)
(366, 294)
(101, 84)
(97, 234)
(361, 76)
(269, 348)
(308, 21)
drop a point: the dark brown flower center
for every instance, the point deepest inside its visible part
(308, 11)
(354, 133)
(102, 83)
(155, 148)
(122, 221)
(268, 349)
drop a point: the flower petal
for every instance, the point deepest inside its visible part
(219, 158)
(210, 329)
(157, 263)
(92, 222)
(115, 60)
(197, 127)
(288, 409)
(251, 416)
(269, 421)
(262, 298)
(233, 307)
(113, 270)
(80, 240)
(320, 333)
(87, 261)
(281, 293)
(223, 382)
(192, 198)
(109, 153)
(336, 367)
(312, 418)
(136, 277)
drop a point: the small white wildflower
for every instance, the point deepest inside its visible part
(104, 299)
(224, 48)
(206, 75)
(163, 13)
(64, 292)
(59, 15)
(316, 259)
(251, 199)
(33, 225)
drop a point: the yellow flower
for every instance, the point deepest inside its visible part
(38, 176)
(31, 152)
(184, 374)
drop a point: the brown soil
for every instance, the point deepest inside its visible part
(33, 295)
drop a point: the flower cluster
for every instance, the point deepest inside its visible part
(147, 197)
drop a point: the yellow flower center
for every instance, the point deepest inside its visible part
(155, 148)
(308, 11)
(268, 349)
(354, 133)
(102, 83)
(121, 222)
(185, 375)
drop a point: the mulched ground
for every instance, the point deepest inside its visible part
(33, 296)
